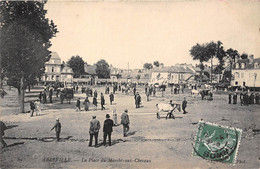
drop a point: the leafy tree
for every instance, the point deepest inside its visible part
(156, 63)
(102, 69)
(231, 55)
(199, 52)
(76, 63)
(148, 66)
(25, 35)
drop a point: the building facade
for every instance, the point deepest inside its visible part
(54, 71)
(246, 72)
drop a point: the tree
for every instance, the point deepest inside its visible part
(156, 63)
(102, 69)
(25, 35)
(76, 63)
(231, 55)
(148, 66)
(199, 52)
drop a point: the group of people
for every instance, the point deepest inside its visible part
(35, 106)
(246, 98)
(95, 127)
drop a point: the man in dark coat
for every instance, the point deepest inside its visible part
(95, 93)
(40, 96)
(184, 105)
(229, 98)
(78, 105)
(44, 97)
(125, 121)
(2, 129)
(138, 100)
(50, 95)
(111, 97)
(108, 129)
(57, 128)
(95, 103)
(235, 98)
(32, 106)
(102, 102)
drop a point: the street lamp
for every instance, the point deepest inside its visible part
(255, 75)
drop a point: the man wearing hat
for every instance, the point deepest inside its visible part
(93, 130)
(57, 127)
(125, 121)
(108, 129)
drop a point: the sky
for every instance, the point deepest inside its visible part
(140, 32)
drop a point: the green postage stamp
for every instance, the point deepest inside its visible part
(217, 143)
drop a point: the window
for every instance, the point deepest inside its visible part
(237, 65)
(52, 69)
(52, 77)
(242, 65)
(256, 65)
(236, 83)
(242, 75)
(236, 75)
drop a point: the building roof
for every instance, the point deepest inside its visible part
(66, 70)
(174, 69)
(249, 64)
(54, 55)
(90, 69)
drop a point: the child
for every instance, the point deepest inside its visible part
(57, 127)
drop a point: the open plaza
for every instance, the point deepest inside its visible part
(150, 142)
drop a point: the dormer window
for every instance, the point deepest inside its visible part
(256, 65)
(237, 65)
(243, 65)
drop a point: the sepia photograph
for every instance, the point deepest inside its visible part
(130, 84)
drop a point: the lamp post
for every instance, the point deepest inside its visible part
(255, 75)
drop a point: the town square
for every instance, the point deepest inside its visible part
(73, 107)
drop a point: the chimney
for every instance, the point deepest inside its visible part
(251, 58)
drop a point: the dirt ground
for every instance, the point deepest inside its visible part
(151, 143)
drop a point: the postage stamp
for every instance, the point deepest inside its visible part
(217, 143)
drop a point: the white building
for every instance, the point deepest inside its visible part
(53, 71)
(246, 72)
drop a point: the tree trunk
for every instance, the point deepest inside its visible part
(21, 96)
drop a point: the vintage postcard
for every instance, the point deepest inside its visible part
(130, 84)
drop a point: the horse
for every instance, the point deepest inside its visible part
(166, 107)
(195, 92)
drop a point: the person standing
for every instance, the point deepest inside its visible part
(147, 96)
(93, 130)
(235, 98)
(57, 128)
(32, 106)
(229, 98)
(114, 116)
(38, 107)
(138, 99)
(40, 96)
(184, 105)
(50, 95)
(102, 102)
(242, 98)
(78, 105)
(86, 103)
(125, 122)
(95, 93)
(2, 133)
(134, 90)
(111, 97)
(108, 129)
(95, 103)
(44, 96)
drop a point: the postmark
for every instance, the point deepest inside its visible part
(217, 143)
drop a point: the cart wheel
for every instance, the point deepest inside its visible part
(158, 116)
